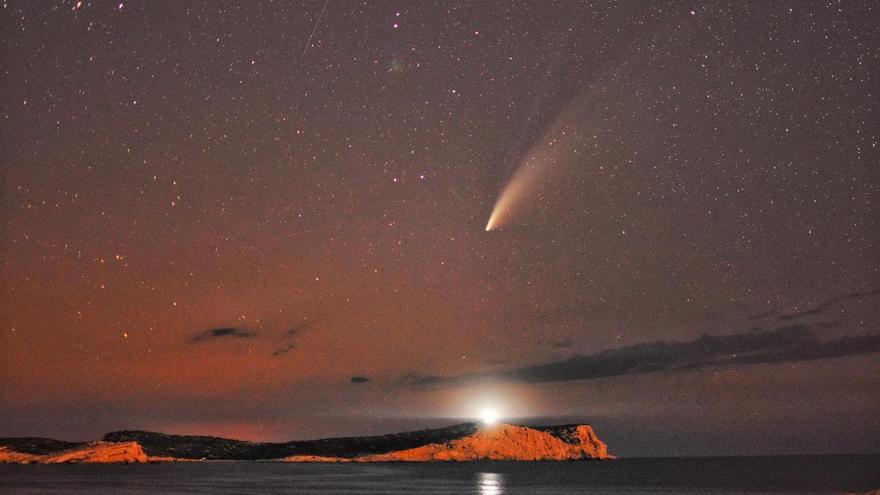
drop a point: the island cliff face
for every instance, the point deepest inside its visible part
(463, 442)
(506, 442)
(90, 453)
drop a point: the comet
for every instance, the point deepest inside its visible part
(541, 165)
(513, 194)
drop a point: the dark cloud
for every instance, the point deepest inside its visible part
(858, 295)
(807, 312)
(762, 315)
(359, 379)
(821, 308)
(787, 344)
(290, 342)
(217, 333)
(284, 350)
(297, 329)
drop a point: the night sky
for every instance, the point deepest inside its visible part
(268, 219)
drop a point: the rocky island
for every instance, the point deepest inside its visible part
(461, 442)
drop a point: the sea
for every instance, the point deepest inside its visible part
(716, 475)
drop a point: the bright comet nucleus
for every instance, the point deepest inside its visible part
(530, 176)
(510, 196)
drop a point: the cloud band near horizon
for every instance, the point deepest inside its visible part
(792, 343)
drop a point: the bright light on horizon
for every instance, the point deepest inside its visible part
(489, 402)
(489, 416)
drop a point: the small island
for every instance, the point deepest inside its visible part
(458, 443)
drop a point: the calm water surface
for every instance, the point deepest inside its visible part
(813, 474)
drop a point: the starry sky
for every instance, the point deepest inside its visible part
(267, 219)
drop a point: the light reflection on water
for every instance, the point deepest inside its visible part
(490, 483)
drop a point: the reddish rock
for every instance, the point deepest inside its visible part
(97, 452)
(501, 442)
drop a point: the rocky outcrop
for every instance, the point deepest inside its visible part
(196, 447)
(506, 442)
(96, 452)
(38, 445)
(9, 456)
(582, 435)
(160, 445)
(461, 442)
